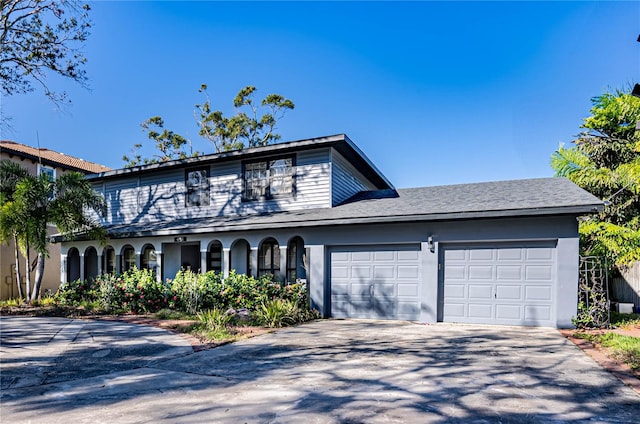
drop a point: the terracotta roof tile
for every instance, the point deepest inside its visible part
(52, 156)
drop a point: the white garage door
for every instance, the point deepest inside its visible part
(499, 284)
(375, 282)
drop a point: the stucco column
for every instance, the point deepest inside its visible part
(283, 265)
(118, 264)
(203, 261)
(226, 261)
(139, 260)
(317, 284)
(430, 282)
(63, 268)
(82, 267)
(253, 262)
(568, 268)
(100, 258)
(159, 272)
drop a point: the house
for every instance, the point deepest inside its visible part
(37, 161)
(319, 211)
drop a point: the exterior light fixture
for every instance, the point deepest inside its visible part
(430, 244)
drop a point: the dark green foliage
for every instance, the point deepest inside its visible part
(253, 125)
(605, 160)
(138, 291)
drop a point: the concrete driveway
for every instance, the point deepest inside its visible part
(333, 371)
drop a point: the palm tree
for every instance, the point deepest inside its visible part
(10, 224)
(39, 201)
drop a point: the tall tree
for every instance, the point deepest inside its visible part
(253, 124)
(169, 145)
(605, 160)
(42, 37)
(243, 129)
(10, 221)
(39, 201)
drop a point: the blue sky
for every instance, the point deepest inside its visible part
(434, 93)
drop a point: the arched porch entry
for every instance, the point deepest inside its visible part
(73, 265)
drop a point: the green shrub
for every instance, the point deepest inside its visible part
(141, 291)
(192, 292)
(76, 292)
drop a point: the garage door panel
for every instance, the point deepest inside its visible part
(455, 310)
(361, 257)
(510, 292)
(538, 272)
(408, 290)
(481, 255)
(361, 272)
(408, 255)
(479, 310)
(375, 282)
(340, 289)
(538, 293)
(510, 254)
(537, 313)
(408, 272)
(483, 272)
(503, 283)
(539, 253)
(454, 291)
(509, 272)
(509, 312)
(384, 271)
(361, 290)
(478, 291)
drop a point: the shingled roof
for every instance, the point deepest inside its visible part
(51, 157)
(516, 198)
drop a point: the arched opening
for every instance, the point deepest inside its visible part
(239, 256)
(127, 258)
(109, 260)
(149, 258)
(269, 257)
(73, 265)
(214, 257)
(295, 260)
(90, 263)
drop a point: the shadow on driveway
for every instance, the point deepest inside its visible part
(337, 371)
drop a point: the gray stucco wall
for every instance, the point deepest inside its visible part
(563, 230)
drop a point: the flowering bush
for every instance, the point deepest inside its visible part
(138, 291)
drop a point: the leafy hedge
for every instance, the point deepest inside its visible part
(138, 291)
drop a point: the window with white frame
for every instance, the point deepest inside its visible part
(197, 183)
(268, 178)
(47, 170)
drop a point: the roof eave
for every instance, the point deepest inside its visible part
(287, 223)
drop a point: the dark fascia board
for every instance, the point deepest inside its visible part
(43, 161)
(288, 223)
(340, 142)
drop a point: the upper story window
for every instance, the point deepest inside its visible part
(197, 183)
(47, 170)
(268, 178)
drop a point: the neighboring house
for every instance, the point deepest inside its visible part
(37, 161)
(319, 211)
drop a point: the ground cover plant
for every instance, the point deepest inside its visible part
(621, 342)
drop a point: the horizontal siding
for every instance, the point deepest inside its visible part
(161, 196)
(346, 180)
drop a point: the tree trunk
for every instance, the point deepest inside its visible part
(18, 275)
(27, 272)
(39, 274)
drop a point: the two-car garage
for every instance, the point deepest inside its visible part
(480, 283)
